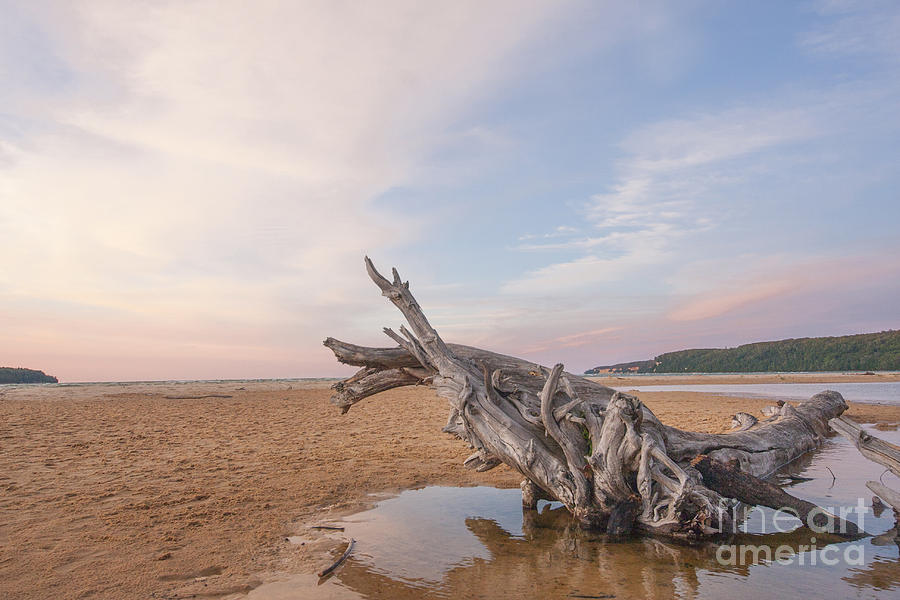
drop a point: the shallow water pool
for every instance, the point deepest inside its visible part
(443, 542)
(886, 392)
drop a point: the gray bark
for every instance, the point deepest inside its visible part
(874, 448)
(879, 451)
(602, 453)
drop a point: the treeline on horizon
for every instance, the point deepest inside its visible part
(860, 352)
(20, 375)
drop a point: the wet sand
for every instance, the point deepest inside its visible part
(121, 492)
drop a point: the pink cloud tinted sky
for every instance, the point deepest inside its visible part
(187, 191)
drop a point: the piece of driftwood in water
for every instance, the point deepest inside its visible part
(890, 497)
(728, 479)
(601, 453)
(330, 569)
(877, 450)
(873, 448)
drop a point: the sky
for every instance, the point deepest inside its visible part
(188, 189)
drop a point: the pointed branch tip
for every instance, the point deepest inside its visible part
(375, 276)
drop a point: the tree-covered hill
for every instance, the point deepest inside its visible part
(19, 375)
(862, 352)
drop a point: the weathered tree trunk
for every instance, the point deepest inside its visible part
(729, 480)
(870, 446)
(602, 453)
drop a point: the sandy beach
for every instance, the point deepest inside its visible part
(135, 491)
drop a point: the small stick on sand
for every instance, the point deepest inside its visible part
(339, 561)
(331, 527)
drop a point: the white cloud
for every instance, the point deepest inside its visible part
(707, 139)
(668, 168)
(560, 231)
(214, 162)
(630, 251)
(867, 28)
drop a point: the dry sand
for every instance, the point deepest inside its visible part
(120, 492)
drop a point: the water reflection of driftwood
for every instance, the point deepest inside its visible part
(883, 573)
(791, 473)
(556, 558)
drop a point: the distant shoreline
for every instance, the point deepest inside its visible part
(747, 378)
(858, 352)
(21, 375)
(618, 378)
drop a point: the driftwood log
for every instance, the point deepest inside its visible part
(881, 452)
(601, 453)
(729, 480)
(870, 446)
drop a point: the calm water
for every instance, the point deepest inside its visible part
(441, 542)
(877, 393)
